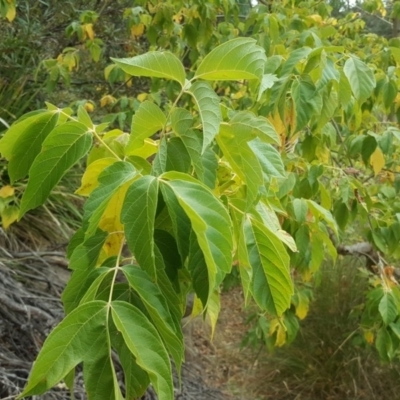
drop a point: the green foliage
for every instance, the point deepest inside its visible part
(257, 146)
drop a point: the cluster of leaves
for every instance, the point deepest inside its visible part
(258, 152)
(182, 216)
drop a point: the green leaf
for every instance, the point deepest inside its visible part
(83, 261)
(181, 120)
(100, 378)
(269, 158)
(155, 64)
(330, 104)
(271, 220)
(236, 59)
(28, 122)
(23, 142)
(388, 308)
(307, 102)
(205, 165)
(168, 249)
(197, 268)
(81, 336)
(245, 123)
(147, 120)
(62, 148)
(384, 344)
(271, 284)
(145, 344)
(158, 310)
(242, 159)
(138, 214)
(207, 103)
(178, 158)
(135, 379)
(294, 57)
(361, 78)
(180, 222)
(321, 212)
(110, 180)
(160, 161)
(267, 82)
(174, 301)
(210, 221)
(300, 209)
(84, 118)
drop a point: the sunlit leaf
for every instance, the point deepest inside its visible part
(271, 285)
(239, 58)
(147, 120)
(81, 336)
(207, 103)
(155, 64)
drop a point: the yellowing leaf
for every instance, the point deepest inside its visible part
(178, 17)
(197, 308)
(9, 216)
(6, 191)
(280, 336)
(369, 337)
(89, 178)
(317, 18)
(107, 100)
(302, 307)
(323, 154)
(149, 148)
(277, 326)
(11, 12)
(111, 222)
(89, 107)
(142, 97)
(279, 126)
(377, 161)
(88, 28)
(213, 308)
(137, 30)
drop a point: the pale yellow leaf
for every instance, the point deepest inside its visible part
(6, 191)
(277, 326)
(90, 177)
(213, 308)
(142, 97)
(149, 148)
(88, 28)
(197, 308)
(377, 161)
(302, 307)
(137, 30)
(107, 100)
(369, 337)
(11, 12)
(89, 107)
(9, 216)
(111, 222)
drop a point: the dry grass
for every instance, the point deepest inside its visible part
(327, 361)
